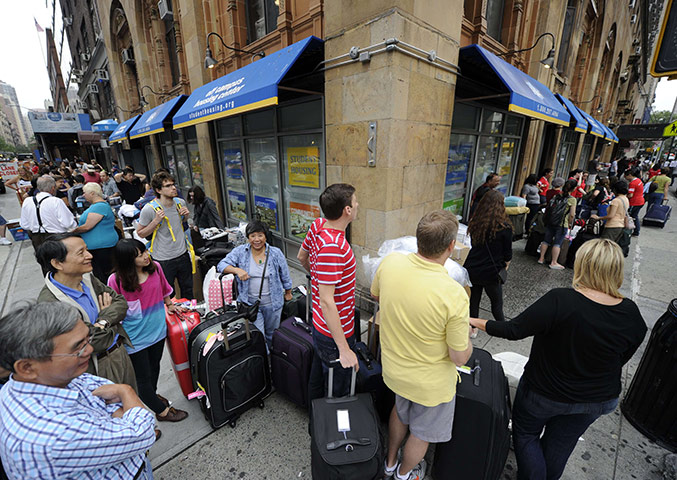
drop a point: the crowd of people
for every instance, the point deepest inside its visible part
(90, 360)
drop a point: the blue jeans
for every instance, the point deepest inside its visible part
(267, 321)
(326, 352)
(147, 473)
(652, 198)
(634, 213)
(544, 457)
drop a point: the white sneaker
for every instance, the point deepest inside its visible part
(4, 241)
(418, 472)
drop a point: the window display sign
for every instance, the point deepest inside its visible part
(302, 216)
(233, 159)
(304, 166)
(266, 209)
(237, 202)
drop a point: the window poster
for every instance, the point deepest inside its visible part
(237, 202)
(455, 206)
(266, 209)
(233, 160)
(303, 164)
(301, 216)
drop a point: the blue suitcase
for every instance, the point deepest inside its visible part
(657, 215)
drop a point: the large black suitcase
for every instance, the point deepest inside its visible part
(577, 242)
(232, 369)
(356, 454)
(480, 439)
(533, 242)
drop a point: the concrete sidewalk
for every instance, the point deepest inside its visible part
(273, 443)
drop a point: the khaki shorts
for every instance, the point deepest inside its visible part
(430, 424)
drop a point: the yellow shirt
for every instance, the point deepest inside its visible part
(423, 312)
(661, 181)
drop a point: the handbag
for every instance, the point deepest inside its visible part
(253, 309)
(502, 272)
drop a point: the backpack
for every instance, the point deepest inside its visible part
(556, 210)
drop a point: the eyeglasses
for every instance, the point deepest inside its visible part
(169, 185)
(79, 353)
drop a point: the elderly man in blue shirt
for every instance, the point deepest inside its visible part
(56, 421)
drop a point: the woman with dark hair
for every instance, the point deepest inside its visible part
(544, 184)
(582, 337)
(141, 281)
(531, 193)
(491, 234)
(261, 272)
(205, 214)
(559, 217)
(599, 194)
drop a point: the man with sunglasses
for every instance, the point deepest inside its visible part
(69, 280)
(56, 421)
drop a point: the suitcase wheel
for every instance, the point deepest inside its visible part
(232, 423)
(261, 405)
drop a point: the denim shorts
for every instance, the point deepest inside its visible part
(2, 221)
(555, 235)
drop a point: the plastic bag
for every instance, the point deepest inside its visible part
(513, 201)
(402, 244)
(212, 292)
(457, 272)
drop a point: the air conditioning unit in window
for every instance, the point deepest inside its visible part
(165, 9)
(101, 74)
(67, 21)
(632, 3)
(85, 57)
(633, 19)
(77, 72)
(93, 88)
(638, 50)
(80, 104)
(127, 56)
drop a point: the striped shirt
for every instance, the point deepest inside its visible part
(50, 432)
(331, 263)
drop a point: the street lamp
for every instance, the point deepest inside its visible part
(143, 101)
(125, 111)
(599, 107)
(209, 59)
(548, 61)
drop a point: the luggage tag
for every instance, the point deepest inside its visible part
(211, 341)
(303, 290)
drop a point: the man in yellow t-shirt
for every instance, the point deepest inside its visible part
(662, 183)
(424, 335)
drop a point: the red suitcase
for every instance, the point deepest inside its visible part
(179, 326)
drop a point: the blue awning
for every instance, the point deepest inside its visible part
(615, 137)
(120, 133)
(527, 95)
(578, 121)
(154, 120)
(108, 125)
(248, 88)
(608, 134)
(595, 128)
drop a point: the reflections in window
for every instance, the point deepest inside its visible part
(261, 18)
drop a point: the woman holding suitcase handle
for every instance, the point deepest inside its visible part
(141, 281)
(262, 273)
(582, 338)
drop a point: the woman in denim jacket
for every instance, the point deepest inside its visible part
(247, 262)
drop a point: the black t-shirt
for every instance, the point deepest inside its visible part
(579, 346)
(130, 192)
(479, 265)
(592, 166)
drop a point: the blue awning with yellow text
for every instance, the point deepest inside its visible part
(527, 95)
(248, 88)
(154, 120)
(120, 133)
(596, 128)
(578, 121)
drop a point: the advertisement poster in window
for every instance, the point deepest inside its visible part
(233, 159)
(304, 166)
(195, 165)
(266, 209)
(237, 202)
(301, 216)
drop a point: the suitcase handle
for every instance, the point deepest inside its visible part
(348, 443)
(353, 378)
(302, 325)
(238, 317)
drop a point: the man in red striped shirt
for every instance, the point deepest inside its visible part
(635, 196)
(326, 254)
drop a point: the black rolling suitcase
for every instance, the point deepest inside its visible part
(480, 438)
(533, 242)
(577, 242)
(343, 449)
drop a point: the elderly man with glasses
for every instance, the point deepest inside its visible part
(56, 421)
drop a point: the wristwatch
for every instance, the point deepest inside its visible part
(104, 322)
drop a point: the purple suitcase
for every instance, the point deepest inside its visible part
(657, 215)
(291, 357)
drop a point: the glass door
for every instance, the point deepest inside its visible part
(264, 184)
(504, 167)
(487, 154)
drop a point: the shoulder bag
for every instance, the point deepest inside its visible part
(501, 272)
(253, 309)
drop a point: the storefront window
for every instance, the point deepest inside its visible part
(182, 168)
(465, 117)
(171, 161)
(487, 153)
(461, 153)
(566, 152)
(304, 181)
(504, 168)
(182, 157)
(195, 164)
(492, 122)
(586, 148)
(263, 167)
(235, 179)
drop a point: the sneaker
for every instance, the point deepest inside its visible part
(173, 415)
(557, 266)
(4, 241)
(540, 262)
(418, 472)
(391, 473)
